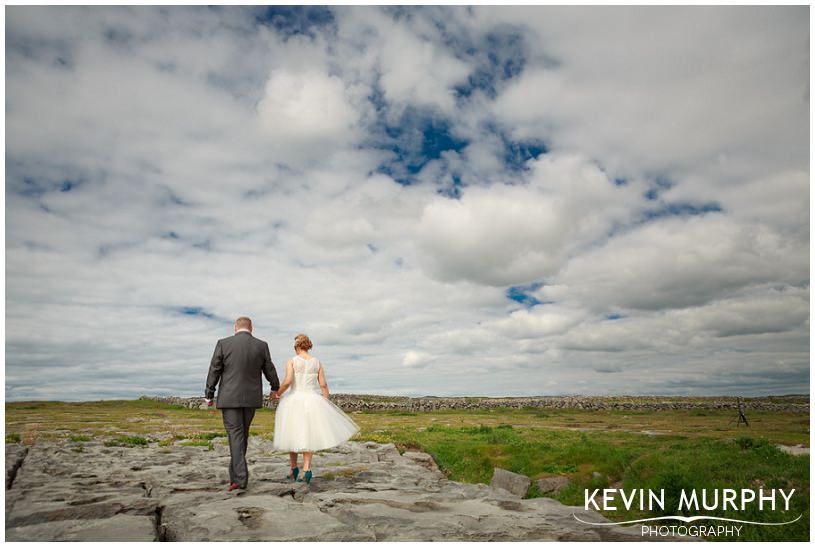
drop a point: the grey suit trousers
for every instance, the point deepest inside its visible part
(236, 423)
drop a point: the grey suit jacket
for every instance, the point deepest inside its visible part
(237, 363)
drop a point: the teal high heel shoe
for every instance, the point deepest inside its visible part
(307, 476)
(294, 472)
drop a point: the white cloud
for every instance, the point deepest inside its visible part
(779, 201)
(307, 112)
(662, 89)
(415, 71)
(513, 234)
(416, 359)
(412, 69)
(538, 322)
(679, 262)
(758, 312)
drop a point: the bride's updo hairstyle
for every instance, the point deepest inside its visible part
(301, 341)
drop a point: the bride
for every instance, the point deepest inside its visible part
(305, 421)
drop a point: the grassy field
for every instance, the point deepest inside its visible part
(673, 450)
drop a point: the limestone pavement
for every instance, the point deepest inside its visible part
(360, 492)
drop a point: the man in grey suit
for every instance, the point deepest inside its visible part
(237, 363)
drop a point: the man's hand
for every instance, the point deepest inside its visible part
(274, 396)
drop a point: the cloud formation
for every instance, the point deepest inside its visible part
(449, 201)
(306, 109)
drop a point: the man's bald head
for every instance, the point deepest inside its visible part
(243, 323)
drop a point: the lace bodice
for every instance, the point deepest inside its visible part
(305, 374)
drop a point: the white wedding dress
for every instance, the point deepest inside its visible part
(305, 421)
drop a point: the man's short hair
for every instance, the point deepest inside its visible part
(244, 323)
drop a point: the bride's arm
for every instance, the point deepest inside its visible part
(323, 383)
(287, 381)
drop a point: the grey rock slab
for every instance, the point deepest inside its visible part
(553, 484)
(15, 454)
(563, 521)
(256, 518)
(115, 528)
(425, 460)
(511, 482)
(795, 450)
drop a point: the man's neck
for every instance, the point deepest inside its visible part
(243, 330)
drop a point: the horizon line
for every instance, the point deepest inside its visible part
(806, 395)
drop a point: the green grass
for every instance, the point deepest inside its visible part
(712, 464)
(133, 441)
(198, 442)
(691, 449)
(79, 438)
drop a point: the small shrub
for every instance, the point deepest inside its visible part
(79, 438)
(13, 438)
(132, 442)
(333, 475)
(749, 443)
(673, 483)
(533, 491)
(199, 442)
(212, 435)
(559, 469)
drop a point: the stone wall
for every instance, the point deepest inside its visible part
(351, 402)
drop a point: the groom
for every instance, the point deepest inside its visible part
(238, 362)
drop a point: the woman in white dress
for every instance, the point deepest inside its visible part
(305, 420)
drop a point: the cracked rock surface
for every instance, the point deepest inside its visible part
(360, 491)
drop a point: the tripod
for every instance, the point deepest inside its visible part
(741, 418)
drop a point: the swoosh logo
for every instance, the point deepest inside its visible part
(686, 519)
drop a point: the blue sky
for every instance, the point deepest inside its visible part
(448, 200)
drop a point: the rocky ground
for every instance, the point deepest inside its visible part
(361, 491)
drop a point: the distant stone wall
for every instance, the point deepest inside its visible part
(350, 402)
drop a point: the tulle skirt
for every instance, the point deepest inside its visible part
(305, 422)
